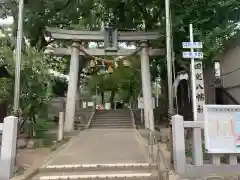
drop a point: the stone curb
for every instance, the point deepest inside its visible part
(33, 170)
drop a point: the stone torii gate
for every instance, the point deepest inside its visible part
(110, 37)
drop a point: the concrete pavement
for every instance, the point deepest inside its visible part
(102, 146)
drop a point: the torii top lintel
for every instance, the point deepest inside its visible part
(64, 34)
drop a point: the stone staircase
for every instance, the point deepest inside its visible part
(128, 160)
(120, 118)
(137, 171)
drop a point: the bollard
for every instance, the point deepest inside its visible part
(60, 126)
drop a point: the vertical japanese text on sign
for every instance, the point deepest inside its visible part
(200, 97)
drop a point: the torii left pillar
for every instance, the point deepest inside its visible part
(146, 87)
(72, 88)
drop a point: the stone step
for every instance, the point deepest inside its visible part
(111, 116)
(109, 175)
(114, 110)
(121, 115)
(97, 171)
(110, 121)
(97, 167)
(112, 127)
(111, 124)
(113, 113)
(117, 112)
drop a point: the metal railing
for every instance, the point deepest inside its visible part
(156, 156)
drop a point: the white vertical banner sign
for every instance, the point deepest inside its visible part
(198, 84)
(198, 100)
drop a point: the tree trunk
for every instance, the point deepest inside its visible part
(113, 93)
(130, 102)
(34, 122)
(102, 95)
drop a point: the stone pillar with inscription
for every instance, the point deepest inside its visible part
(198, 100)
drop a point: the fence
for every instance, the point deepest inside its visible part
(8, 149)
(231, 168)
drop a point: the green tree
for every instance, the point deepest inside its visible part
(210, 18)
(96, 84)
(124, 81)
(131, 80)
(35, 84)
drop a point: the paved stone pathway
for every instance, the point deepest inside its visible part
(102, 146)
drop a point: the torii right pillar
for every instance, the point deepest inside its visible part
(146, 87)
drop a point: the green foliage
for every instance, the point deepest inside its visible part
(131, 80)
(35, 83)
(42, 127)
(213, 20)
(97, 81)
(124, 80)
(60, 87)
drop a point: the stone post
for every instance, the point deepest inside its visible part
(147, 88)
(60, 126)
(179, 156)
(72, 88)
(8, 149)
